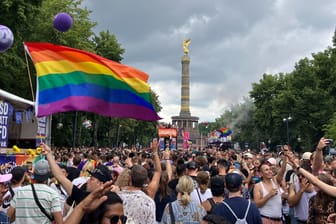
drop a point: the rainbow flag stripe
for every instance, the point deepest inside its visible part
(225, 131)
(69, 79)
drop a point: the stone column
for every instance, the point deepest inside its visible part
(185, 87)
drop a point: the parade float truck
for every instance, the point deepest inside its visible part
(20, 131)
(167, 138)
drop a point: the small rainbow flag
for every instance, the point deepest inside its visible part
(225, 131)
(69, 79)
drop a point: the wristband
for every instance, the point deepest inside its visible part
(298, 168)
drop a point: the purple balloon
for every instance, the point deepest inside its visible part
(6, 38)
(62, 22)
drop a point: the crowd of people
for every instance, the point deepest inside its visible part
(209, 185)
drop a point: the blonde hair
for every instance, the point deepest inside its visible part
(87, 167)
(185, 186)
(123, 178)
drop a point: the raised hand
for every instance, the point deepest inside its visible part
(155, 145)
(45, 149)
(322, 143)
(96, 198)
(331, 218)
(166, 154)
(304, 184)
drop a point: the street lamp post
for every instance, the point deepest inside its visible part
(118, 129)
(202, 136)
(287, 120)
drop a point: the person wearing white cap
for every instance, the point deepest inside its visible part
(306, 156)
(267, 193)
(248, 159)
(273, 165)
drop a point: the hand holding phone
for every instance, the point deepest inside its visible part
(154, 145)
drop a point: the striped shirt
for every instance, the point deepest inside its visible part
(26, 209)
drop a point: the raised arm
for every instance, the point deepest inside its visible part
(55, 170)
(331, 190)
(154, 184)
(248, 179)
(166, 157)
(279, 177)
(318, 157)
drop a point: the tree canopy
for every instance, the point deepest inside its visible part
(32, 20)
(306, 95)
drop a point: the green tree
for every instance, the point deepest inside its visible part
(239, 118)
(264, 95)
(330, 128)
(80, 34)
(107, 45)
(19, 16)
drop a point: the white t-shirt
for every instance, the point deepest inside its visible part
(79, 181)
(204, 196)
(138, 206)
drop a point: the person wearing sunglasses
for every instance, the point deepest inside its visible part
(110, 211)
(102, 206)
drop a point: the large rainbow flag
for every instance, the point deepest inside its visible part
(69, 79)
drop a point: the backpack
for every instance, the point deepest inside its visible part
(213, 205)
(239, 221)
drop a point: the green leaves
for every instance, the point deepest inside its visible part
(32, 20)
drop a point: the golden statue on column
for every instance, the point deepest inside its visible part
(185, 46)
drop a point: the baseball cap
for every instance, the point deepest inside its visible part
(102, 173)
(264, 151)
(306, 155)
(248, 155)
(5, 178)
(272, 161)
(233, 181)
(41, 170)
(191, 165)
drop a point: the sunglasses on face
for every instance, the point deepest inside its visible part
(114, 219)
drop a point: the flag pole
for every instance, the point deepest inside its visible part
(30, 81)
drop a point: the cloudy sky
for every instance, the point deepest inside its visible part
(233, 43)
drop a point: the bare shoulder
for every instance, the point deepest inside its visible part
(257, 189)
(257, 185)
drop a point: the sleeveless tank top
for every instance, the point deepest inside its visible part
(273, 206)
